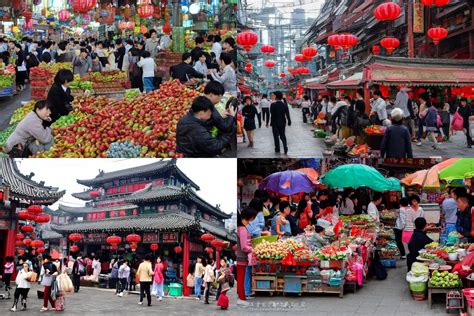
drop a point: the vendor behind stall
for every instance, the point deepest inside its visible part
(418, 241)
(372, 209)
(464, 224)
(280, 225)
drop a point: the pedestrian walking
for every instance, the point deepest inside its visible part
(198, 273)
(124, 276)
(224, 279)
(209, 278)
(50, 272)
(305, 108)
(158, 279)
(145, 274)
(467, 113)
(429, 117)
(265, 105)
(259, 110)
(396, 142)
(23, 285)
(280, 116)
(249, 112)
(78, 270)
(8, 269)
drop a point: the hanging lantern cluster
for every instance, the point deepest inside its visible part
(282, 75)
(133, 239)
(376, 50)
(387, 11)
(344, 41)
(267, 49)
(83, 6)
(247, 40)
(300, 58)
(114, 241)
(248, 67)
(303, 70)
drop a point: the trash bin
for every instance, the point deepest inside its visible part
(175, 289)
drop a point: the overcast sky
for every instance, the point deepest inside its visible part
(217, 178)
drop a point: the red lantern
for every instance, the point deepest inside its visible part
(20, 236)
(376, 50)
(388, 11)
(247, 40)
(64, 15)
(83, 6)
(291, 69)
(167, 28)
(154, 247)
(37, 243)
(131, 26)
(390, 44)
(114, 247)
(133, 238)
(122, 26)
(114, 240)
(94, 194)
(75, 237)
(267, 49)
(178, 249)
(20, 251)
(209, 250)
(74, 248)
(207, 237)
(269, 63)
(35, 209)
(303, 70)
(282, 75)
(145, 11)
(309, 52)
(347, 41)
(40, 250)
(42, 218)
(24, 215)
(437, 34)
(16, 4)
(219, 243)
(27, 15)
(438, 3)
(27, 228)
(133, 246)
(299, 58)
(333, 41)
(19, 243)
(27, 241)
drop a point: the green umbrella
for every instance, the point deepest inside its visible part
(358, 175)
(461, 169)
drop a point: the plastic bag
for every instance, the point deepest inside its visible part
(414, 278)
(457, 123)
(419, 269)
(65, 283)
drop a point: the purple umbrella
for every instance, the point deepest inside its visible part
(287, 182)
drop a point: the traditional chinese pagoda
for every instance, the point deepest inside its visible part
(156, 201)
(16, 191)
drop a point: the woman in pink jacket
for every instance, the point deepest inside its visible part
(158, 279)
(245, 255)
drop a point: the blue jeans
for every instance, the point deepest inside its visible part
(197, 287)
(148, 84)
(158, 289)
(248, 281)
(444, 236)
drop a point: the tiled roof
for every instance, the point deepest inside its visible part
(158, 222)
(23, 187)
(88, 209)
(83, 195)
(153, 168)
(154, 193)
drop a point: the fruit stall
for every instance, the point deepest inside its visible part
(7, 81)
(313, 264)
(42, 78)
(107, 83)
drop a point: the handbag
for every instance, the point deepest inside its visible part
(32, 277)
(190, 280)
(54, 289)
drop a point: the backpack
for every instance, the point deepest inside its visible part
(458, 122)
(377, 269)
(81, 267)
(344, 116)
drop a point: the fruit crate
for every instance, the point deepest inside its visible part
(7, 92)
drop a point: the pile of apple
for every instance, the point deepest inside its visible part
(148, 121)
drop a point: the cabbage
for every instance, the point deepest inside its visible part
(418, 269)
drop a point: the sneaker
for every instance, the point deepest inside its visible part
(43, 309)
(418, 144)
(120, 294)
(13, 309)
(160, 299)
(197, 298)
(140, 303)
(403, 257)
(242, 303)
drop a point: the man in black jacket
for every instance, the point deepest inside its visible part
(418, 241)
(184, 71)
(466, 111)
(59, 96)
(120, 53)
(193, 138)
(279, 114)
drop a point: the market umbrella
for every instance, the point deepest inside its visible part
(462, 168)
(415, 178)
(428, 178)
(358, 175)
(311, 173)
(287, 182)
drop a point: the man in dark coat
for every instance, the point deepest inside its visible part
(279, 114)
(466, 111)
(418, 241)
(119, 54)
(59, 96)
(184, 71)
(464, 222)
(193, 138)
(396, 141)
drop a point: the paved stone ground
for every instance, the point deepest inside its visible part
(301, 143)
(95, 301)
(390, 297)
(9, 105)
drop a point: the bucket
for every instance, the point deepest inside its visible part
(175, 289)
(453, 256)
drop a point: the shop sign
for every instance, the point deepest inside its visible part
(193, 247)
(410, 162)
(5, 224)
(418, 17)
(150, 237)
(169, 237)
(95, 238)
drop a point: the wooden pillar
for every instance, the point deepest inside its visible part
(10, 243)
(471, 44)
(411, 40)
(186, 250)
(218, 257)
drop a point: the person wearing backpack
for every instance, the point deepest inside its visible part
(78, 270)
(135, 72)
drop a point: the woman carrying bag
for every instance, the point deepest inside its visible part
(64, 285)
(23, 279)
(209, 279)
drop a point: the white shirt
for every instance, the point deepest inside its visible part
(217, 49)
(264, 104)
(373, 211)
(306, 104)
(380, 107)
(21, 281)
(228, 80)
(64, 88)
(201, 67)
(148, 66)
(165, 42)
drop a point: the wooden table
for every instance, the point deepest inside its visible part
(437, 290)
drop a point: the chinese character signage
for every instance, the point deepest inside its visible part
(150, 237)
(418, 17)
(169, 237)
(193, 247)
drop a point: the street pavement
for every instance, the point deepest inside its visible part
(96, 301)
(9, 105)
(302, 144)
(390, 297)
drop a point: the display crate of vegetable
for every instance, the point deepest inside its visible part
(6, 92)
(258, 240)
(5, 134)
(444, 279)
